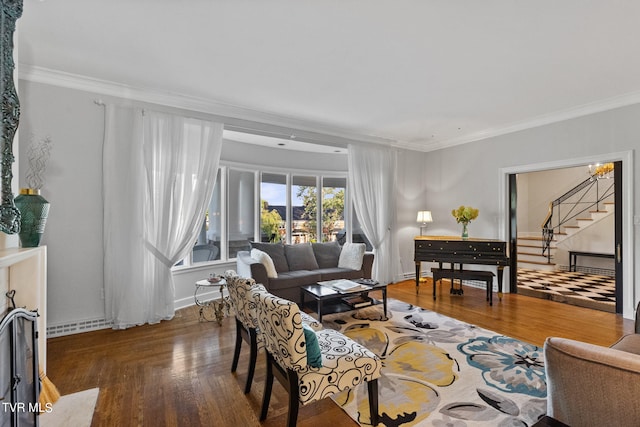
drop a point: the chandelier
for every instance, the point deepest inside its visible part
(601, 171)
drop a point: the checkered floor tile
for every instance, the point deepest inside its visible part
(586, 290)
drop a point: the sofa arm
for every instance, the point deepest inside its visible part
(591, 385)
(367, 265)
(249, 267)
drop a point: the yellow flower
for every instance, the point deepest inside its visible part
(465, 214)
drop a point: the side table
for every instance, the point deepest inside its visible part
(219, 306)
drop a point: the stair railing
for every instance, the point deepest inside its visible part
(566, 208)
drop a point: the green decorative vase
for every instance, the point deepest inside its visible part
(465, 232)
(34, 210)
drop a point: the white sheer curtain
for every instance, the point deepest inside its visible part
(372, 178)
(159, 174)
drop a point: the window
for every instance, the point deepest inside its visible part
(305, 209)
(333, 191)
(241, 202)
(273, 207)
(207, 247)
(269, 206)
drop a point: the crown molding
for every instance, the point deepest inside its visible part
(261, 122)
(236, 117)
(606, 104)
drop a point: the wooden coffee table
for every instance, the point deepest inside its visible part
(322, 293)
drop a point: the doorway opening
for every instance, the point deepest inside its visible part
(566, 235)
(622, 218)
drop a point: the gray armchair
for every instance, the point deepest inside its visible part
(591, 385)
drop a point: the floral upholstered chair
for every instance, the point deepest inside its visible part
(246, 321)
(312, 365)
(244, 307)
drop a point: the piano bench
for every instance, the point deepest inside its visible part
(452, 274)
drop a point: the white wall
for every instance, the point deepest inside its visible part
(73, 186)
(410, 198)
(541, 188)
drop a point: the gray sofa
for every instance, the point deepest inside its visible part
(299, 265)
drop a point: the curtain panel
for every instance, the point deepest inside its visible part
(372, 181)
(159, 171)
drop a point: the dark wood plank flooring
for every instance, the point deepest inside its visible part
(177, 373)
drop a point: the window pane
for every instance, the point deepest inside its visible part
(207, 246)
(333, 190)
(241, 199)
(305, 203)
(273, 207)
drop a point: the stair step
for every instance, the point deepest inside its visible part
(537, 263)
(536, 254)
(520, 245)
(535, 238)
(584, 219)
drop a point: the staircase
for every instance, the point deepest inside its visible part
(530, 248)
(530, 253)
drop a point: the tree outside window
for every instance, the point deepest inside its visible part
(332, 212)
(271, 223)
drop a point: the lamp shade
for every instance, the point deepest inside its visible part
(424, 217)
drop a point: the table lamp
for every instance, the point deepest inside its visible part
(424, 217)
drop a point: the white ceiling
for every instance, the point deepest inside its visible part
(421, 74)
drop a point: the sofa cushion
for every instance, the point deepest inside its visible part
(293, 279)
(265, 260)
(276, 252)
(351, 255)
(300, 257)
(327, 254)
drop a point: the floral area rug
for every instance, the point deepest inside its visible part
(438, 371)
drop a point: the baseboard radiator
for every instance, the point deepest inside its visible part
(77, 327)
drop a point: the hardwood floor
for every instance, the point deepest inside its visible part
(177, 373)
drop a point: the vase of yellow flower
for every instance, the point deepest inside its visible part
(464, 215)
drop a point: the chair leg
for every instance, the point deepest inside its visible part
(294, 399)
(236, 353)
(253, 336)
(268, 384)
(372, 388)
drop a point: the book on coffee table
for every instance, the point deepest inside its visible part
(345, 286)
(357, 301)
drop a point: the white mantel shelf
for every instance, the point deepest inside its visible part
(25, 271)
(11, 256)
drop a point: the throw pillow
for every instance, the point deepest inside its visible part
(314, 355)
(276, 252)
(351, 256)
(300, 257)
(265, 260)
(327, 254)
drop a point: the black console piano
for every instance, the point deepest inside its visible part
(455, 250)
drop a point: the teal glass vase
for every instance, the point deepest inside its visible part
(34, 210)
(465, 231)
